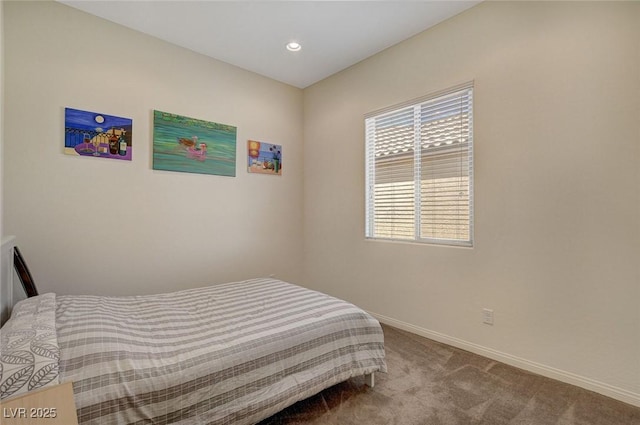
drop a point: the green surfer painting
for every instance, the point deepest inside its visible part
(193, 146)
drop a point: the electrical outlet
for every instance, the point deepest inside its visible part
(487, 316)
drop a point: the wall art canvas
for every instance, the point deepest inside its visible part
(97, 135)
(264, 158)
(192, 145)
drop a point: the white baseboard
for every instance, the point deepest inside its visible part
(550, 372)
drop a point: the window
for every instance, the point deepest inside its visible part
(419, 165)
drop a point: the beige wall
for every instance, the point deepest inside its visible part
(1, 115)
(117, 227)
(557, 205)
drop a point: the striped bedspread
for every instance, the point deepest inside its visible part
(225, 354)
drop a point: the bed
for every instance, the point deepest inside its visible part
(234, 353)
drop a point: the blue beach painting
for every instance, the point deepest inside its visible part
(97, 135)
(264, 158)
(192, 145)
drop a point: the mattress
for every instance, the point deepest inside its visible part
(234, 353)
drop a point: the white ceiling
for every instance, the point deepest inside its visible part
(253, 34)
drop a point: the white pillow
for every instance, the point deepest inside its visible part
(29, 350)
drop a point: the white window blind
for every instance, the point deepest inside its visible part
(419, 170)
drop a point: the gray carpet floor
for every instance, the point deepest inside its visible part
(429, 383)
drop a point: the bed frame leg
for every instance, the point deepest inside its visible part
(369, 379)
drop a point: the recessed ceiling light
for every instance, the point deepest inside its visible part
(293, 46)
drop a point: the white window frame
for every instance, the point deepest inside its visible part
(457, 140)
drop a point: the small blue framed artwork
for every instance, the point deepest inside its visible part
(264, 158)
(97, 135)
